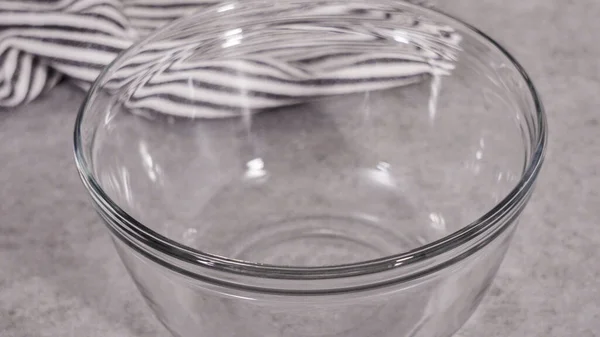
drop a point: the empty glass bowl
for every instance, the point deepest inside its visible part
(312, 168)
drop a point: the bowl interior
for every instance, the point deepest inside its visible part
(310, 135)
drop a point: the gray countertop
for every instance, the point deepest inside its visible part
(60, 276)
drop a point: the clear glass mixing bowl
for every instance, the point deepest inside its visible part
(312, 168)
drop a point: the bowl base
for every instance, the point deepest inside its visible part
(319, 240)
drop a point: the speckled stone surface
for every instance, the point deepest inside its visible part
(60, 276)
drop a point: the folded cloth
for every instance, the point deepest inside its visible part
(43, 41)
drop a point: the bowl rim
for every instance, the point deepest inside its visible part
(173, 252)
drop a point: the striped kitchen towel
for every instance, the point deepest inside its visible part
(43, 41)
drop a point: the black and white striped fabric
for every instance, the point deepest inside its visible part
(43, 41)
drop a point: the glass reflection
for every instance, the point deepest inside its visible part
(152, 169)
(255, 169)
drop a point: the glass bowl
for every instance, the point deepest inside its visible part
(312, 168)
